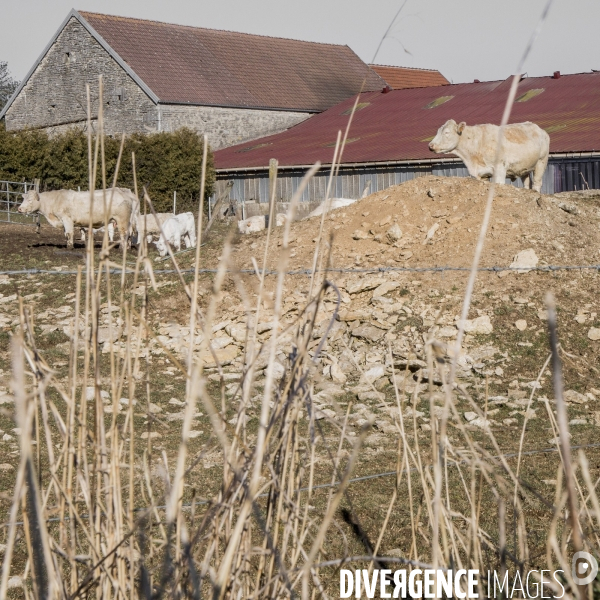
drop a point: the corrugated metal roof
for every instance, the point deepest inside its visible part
(194, 65)
(400, 78)
(397, 126)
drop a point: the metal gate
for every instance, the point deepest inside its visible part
(10, 198)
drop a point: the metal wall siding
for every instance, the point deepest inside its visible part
(451, 171)
(571, 175)
(590, 171)
(548, 180)
(561, 175)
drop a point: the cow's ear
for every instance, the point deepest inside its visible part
(460, 127)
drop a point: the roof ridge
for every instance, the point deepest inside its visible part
(592, 72)
(446, 85)
(509, 78)
(409, 68)
(256, 35)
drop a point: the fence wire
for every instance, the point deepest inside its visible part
(495, 269)
(10, 193)
(451, 463)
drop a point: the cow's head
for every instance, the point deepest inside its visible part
(161, 246)
(447, 137)
(31, 203)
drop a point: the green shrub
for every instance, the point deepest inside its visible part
(23, 156)
(66, 162)
(165, 162)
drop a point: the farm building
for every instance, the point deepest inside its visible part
(389, 135)
(400, 78)
(159, 77)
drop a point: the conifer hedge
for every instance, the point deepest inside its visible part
(165, 162)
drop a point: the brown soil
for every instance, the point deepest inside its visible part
(562, 230)
(22, 248)
(520, 219)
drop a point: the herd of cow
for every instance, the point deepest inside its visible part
(521, 151)
(118, 207)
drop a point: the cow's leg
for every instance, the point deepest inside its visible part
(499, 174)
(538, 174)
(68, 225)
(192, 236)
(177, 243)
(526, 179)
(111, 231)
(82, 234)
(123, 237)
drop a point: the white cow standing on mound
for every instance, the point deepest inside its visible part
(523, 152)
(69, 209)
(175, 228)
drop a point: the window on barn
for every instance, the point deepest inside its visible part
(118, 94)
(67, 58)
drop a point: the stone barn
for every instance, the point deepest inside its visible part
(234, 87)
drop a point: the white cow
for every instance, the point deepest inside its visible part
(69, 209)
(523, 153)
(111, 232)
(148, 225)
(175, 228)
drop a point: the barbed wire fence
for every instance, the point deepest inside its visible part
(493, 269)
(371, 476)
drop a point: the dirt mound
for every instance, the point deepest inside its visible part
(439, 219)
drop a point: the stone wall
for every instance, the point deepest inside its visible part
(54, 99)
(55, 95)
(228, 126)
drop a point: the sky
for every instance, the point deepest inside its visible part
(464, 39)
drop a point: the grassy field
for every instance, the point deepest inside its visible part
(125, 432)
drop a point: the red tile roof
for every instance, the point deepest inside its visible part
(400, 78)
(398, 126)
(193, 65)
